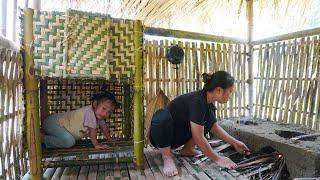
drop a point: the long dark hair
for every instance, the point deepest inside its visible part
(218, 79)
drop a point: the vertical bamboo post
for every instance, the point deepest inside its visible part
(138, 95)
(32, 101)
(250, 50)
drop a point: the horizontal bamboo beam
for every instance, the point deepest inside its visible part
(86, 162)
(190, 35)
(83, 151)
(5, 43)
(298, 34)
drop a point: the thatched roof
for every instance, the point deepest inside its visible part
(219, 17)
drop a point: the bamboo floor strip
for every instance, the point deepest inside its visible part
(153, 170)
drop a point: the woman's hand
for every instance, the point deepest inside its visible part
(226, 162)
(241, 148)
(101, 146)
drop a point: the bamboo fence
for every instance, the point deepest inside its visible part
(200, 57)
(288, 80)
(13, 161)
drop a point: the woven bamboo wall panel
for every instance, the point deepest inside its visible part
(83, 45)
(13, 156)
(121, 49)
(69, 94)
(88, 42)
(48, 43)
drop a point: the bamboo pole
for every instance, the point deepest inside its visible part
(288, 36)
(36, 4)
(3, 25)
(138, 95)
(190, 35)
(87, 162)
(14, 24)
(3, 89)
(32, 100)
(250, 53)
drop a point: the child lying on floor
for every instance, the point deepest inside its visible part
(63, 129)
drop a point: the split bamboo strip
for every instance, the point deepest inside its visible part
(258, 84)
(299, 93)
(289, 85)
(32, 103)
(270, 74)
(317, 82)
(237, 76)
(180, 73)
(275, 82)
(284, 84)
(311, 99)
(306, 83)
(243, 80)
(162, 65)
(294, 88)
(230, 69)
(317, 118)
(157, 63)
(138, 95)
(225, 65)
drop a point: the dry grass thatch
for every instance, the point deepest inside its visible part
(217, 17)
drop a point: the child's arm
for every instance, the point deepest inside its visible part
(105, 131)
(93, 137)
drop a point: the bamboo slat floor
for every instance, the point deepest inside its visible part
(152, 170)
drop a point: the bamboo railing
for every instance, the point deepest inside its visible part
(200, 57)
(13, 162)
(288, 79)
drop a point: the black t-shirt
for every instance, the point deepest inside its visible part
(192, 107)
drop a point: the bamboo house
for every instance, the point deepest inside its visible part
(54, 55)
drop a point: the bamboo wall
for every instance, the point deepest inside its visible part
(199, 57)
(13, 161)
(288, 81)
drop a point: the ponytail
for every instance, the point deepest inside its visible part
(218, 79)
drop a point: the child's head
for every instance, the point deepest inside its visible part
(104, 104)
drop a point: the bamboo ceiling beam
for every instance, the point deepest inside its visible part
(294, 35)
(190, 35)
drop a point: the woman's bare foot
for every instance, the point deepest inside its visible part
(189, 152)
(169, 167)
